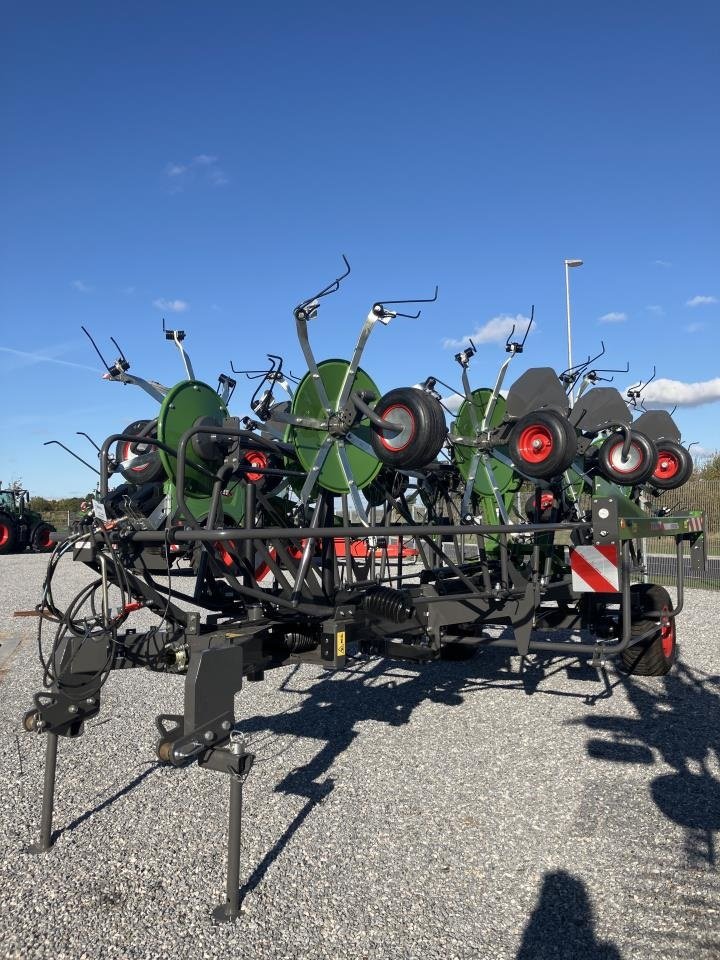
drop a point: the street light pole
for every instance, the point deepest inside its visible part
(568, 264)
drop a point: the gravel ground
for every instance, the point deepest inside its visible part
(458, 810)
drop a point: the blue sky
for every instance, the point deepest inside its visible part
(210, 163)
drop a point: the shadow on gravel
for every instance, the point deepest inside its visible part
(107, 802)
(385, 692)
(678, 724)
(561, 926)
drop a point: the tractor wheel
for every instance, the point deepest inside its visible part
(654, 656)
(673, 467)
(139, 461)
(423, 428)
(8, 533)
(40, 541)
(636, 468)
(540, 445)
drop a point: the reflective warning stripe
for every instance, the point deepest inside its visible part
(595, 569)
(695, 524)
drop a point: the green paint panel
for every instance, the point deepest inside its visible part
(507, 479)
(183, 406)
(306, 403)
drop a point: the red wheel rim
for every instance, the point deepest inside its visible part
(403, 418)
(44, 539)
(667, 634)
(4, 534)
(634, 459)
(256, 458)
(535, 444)
(668, 465)
(129, 454)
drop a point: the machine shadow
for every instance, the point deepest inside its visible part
(383, 691)
(677, 724)
(561, 925)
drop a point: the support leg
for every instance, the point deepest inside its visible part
(48, 797)
(228, 912)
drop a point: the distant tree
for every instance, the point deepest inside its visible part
(710, 469)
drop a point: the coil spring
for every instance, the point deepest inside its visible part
(388, 603)
(298, 642)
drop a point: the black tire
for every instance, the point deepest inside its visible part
(423, 434)
(40, 538)
(140, 462)
(654, 656)
(640, 462)
(673, 467)
(540, 445)
(8, 533)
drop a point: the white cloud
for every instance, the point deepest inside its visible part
(671, 392)
(82, 287)
(613, 317)
(656, 309)
(173, 306)
(494, 331)
(700, 301)
(662, 263)
(203, 167)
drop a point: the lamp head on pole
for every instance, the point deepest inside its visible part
(573, 263)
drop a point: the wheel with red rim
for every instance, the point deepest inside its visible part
(541, 446)
(40, 541)
(261, 460)
(8, 533)
(139, 461)
(421, 428)
(654, 655)
(673, 467)
(636, 466)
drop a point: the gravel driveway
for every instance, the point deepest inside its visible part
(455, 810)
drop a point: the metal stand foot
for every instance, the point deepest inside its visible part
(45, 841)
(237, 761)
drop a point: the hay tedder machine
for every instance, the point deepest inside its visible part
(336, 521)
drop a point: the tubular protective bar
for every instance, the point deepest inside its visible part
(178, 535)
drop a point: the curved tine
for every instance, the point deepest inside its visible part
(354, 492)
(527, 331)
(47, 443)
(330, 288)
(81, 433)
(120, 351)
(509, 336)
(97, 351)
(384, 303)
(602, 351)
(314, 471)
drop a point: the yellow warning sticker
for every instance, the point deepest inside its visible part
(340, 643)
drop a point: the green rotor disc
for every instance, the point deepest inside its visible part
(306, 403)
(181, 408)
(507, 479)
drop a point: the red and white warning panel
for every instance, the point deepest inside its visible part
(595, 569)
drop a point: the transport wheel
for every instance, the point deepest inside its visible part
(40, 541)
(8, 533)
(636, 468)
(139, 461)
(674, 465)
(540, 445)
(423, 428)
(654, 656)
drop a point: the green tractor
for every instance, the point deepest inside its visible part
(21, 527)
